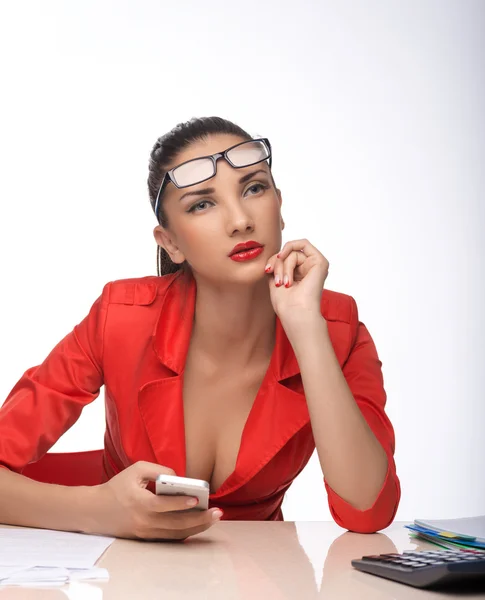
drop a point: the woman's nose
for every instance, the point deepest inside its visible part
(238, 219)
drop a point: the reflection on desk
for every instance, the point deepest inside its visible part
(247, 559)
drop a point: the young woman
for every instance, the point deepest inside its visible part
(231, 365)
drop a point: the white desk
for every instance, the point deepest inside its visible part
(247, 560)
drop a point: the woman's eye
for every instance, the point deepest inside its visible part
(192, 208)
(258, 185)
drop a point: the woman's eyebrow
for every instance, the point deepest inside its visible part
(243, 179)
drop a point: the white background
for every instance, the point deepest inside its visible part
(375, 113)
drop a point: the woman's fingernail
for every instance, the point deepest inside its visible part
(278, 255)
(267, 267)
(285, 280)
(277, 280)
(192, 502)
(217, 514)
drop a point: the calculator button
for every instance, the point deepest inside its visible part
(387, 560)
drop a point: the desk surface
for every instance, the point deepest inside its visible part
(246, 560)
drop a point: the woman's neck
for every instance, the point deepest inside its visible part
(235, 326)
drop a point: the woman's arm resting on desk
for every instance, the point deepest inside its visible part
(44, 403)
(32, 504)
(121, 507)
(353, 435)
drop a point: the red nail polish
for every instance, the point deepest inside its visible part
(268, 270)
(278, 255)
(287, 284)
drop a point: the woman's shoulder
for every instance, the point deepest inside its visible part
(338, 306)
(137, 290)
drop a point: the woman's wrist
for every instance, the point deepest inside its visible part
(89, 503)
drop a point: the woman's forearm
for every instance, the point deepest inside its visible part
(352, 460)
(44, 505)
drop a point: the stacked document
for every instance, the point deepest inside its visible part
(43, 557)
(467, 533)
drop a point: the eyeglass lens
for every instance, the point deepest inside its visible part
(203, 168)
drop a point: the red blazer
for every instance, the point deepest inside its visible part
(134, 341)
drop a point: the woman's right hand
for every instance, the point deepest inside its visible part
(123, 507)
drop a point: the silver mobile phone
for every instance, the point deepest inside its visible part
(171, 485)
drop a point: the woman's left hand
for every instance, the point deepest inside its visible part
(304, 270)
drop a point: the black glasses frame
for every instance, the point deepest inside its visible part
(214, 157)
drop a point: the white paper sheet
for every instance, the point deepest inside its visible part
(26, 547)
(37, 584)
(38, 575)
(6, 572)
(46, 576)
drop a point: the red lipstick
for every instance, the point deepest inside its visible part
(245, 246)
(246, 254)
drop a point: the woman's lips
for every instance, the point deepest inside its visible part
(246, 254)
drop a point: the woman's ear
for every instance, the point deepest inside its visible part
(164, 239)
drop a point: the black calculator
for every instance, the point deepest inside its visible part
(423, 569)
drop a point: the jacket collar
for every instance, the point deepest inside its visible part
(172, 332)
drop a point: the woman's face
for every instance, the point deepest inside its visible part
(204, 229)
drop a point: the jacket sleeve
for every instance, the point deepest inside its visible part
(363, 374)
(48, 398)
